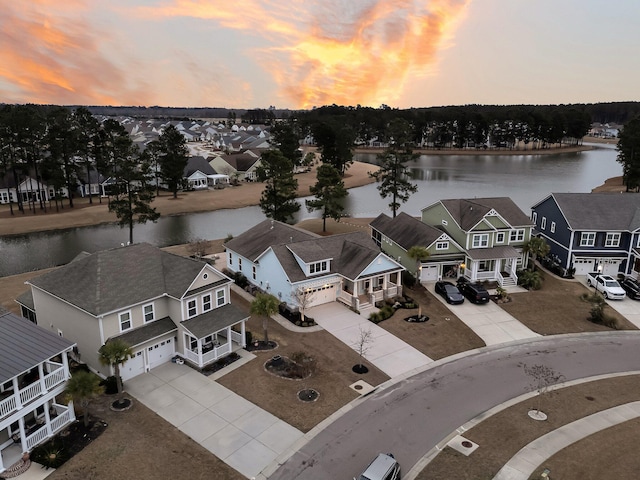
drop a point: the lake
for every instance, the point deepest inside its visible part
(525, 178)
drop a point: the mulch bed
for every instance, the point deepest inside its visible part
(220, 364)
(286, 368)
(261, 345)
(68, 443)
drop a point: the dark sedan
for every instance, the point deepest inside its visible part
(632, 287)
(449, 292)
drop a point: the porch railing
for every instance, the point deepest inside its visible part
(222, 349)
(237, 337)
(485, 275)
(8, 406)
(32, 391)
(37, 437)
(192, 356)
(54, 378)
(61, 420)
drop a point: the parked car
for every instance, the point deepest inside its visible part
(449, 292)
(474, 292)
(383, 467)
(632, 287)
(607, 285)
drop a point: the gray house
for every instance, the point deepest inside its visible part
(161, 304)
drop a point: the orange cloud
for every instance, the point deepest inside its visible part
(335, 51)
(50, 54)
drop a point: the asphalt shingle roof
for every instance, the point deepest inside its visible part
(468, 212)
(600, 211)
(406, 230)
(111, 279)
(24, 345)
(147, 332)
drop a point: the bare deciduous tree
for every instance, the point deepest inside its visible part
(542, 379)
(363, 344)
(303, 298)
(198, 247)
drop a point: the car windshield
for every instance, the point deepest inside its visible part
(451, 289)
(611, 283)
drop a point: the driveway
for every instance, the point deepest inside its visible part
(490, 322)
(386, 351)
(628, 308)
(235, 430)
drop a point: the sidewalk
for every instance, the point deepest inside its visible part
(531, 457)
(386, 351)
(490, 322)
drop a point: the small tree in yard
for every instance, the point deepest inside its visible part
(82, 387)
(537, 247)
(303, 298)
(265, 305)
(198, 247)
(419, 254)
(362, 346)
(542, 379)
(115, 353)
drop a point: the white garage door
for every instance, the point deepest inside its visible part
(160, 353)
(134, 366)
(611, 267)
(429, 273)
(322, 295)
(583, 266)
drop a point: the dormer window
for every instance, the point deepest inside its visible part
(318, 267)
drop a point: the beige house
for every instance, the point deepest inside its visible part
(161, 304)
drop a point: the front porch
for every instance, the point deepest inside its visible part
(213, 335)
(366, 292)
(498, 264)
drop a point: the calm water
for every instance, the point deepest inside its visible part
(526, 179)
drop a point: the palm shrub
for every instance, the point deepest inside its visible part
(529, 279)
(83, 387)
(115, 353)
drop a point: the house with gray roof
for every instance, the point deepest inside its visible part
(34, 369)
(303, 269)
(240, 165)
(161, 304)
(395, 236)
(492, 231)
(591, 231)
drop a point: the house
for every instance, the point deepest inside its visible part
(161, 304)
(492, 231)
(240, 165)
(200, 175)
(395, 236)
(29, 189)
(304, 269)
(34, 370)
(591, 231)
(92, 183)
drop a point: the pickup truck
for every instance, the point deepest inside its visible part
(606, 285)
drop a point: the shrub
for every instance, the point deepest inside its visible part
(110, 385)
(408, 279)
(502, 293)
(531, 280)
(387, 312)
(248, 337)
(375, 317)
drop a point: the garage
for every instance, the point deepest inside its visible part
(134, 366)
(429, 273)
(320, 295)
(583, 266)
(160, 353)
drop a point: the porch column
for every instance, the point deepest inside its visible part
(229, 341)
(514, 264)
(244, 335)
(65, 365)
(23, 434)
(1, 464)
(72, 412)
(199, 347)
(385, 281)
(16, 393)
(47, 417)
(43, 386)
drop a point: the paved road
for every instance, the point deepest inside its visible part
(412, 416)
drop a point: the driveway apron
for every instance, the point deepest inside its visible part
(387, 352)
(490, 322)
(235, 430)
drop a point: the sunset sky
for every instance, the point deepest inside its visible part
(302, 53)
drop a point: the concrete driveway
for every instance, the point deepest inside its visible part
(490, 322)
(628, 308)
(235, 430)
(386, 351)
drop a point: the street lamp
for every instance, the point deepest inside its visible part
(595, 282)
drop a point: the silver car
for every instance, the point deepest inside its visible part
(383, 467)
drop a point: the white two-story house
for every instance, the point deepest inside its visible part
(162, 305)
(33, 374)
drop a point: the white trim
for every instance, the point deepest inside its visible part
(224, 297)
(195, 303)
(202, 297)
(585, 237)
(144, 313)
(128, 312)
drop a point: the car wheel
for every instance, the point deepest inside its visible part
(605, 295)
(589, 282)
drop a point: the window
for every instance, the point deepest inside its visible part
(480, 240)
(442, 245)
(543, 223)
(148, 313)
(500, 237)
(206, 302)
(125, 321)
(220, 297)
(253, 272)
(612, 240)
(239, 264)
(516, 235)
(230, 258)
(588, 239)
(553, 227)
(318, 267)
(192, 308)
(534, 217)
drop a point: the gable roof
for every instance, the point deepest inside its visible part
(198, 163)
(111, 279)
(468, 212)
(240, 161)
(406, 230)
(24, 345)
(600, 211)
(268, 233)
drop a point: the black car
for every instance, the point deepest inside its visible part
(449, 292)
(632, 287)
(474, 292)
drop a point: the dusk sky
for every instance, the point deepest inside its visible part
(302, 53)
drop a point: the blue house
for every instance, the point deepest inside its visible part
(303, 269)
(592, 231)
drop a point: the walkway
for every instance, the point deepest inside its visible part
(490, 322)
(235, 430)
(532, 456)
(386, 351)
